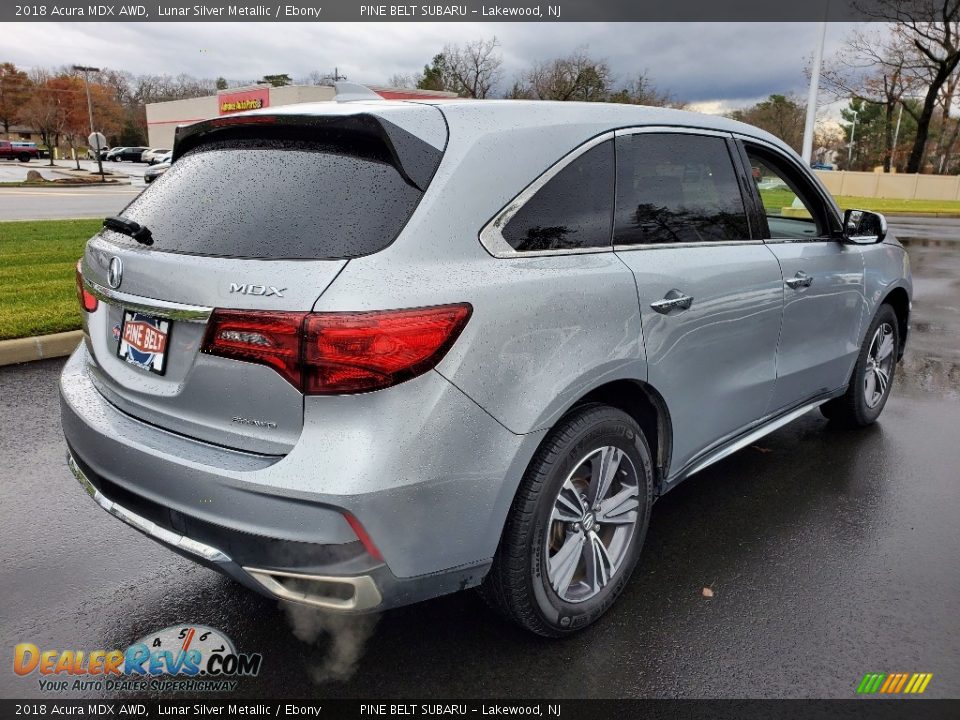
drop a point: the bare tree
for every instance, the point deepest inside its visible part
(574, 77)
(401, 80)
(472, 69)
(642, 91)
(879, 69)
(935, 46)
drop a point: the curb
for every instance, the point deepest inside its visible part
(40, 347)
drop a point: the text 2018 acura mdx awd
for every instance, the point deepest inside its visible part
(361, 354)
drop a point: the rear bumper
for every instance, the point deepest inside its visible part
(276, 523)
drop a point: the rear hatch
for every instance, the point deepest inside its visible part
(258, 212)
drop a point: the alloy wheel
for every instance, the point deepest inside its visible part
(880, 361)
(592, 524)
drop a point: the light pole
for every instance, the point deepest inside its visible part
(896, 136)
(86, 84)
(810, 124)
(853, 132)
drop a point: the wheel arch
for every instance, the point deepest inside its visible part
(899, 300)
(647, 407)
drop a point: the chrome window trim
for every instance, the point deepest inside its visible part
(159, 308)
(491, 236)
(704, 243)
(671, 130)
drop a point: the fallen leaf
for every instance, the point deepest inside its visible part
(707, 592)
(761, 449)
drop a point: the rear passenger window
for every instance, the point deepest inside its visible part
(677, 188)
(573, 211)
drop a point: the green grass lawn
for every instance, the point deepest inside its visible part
(889, 205)
(37, 287)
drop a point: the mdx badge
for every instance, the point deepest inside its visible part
(265, 290)
(115, 272)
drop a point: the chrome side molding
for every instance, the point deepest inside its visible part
(698, 464)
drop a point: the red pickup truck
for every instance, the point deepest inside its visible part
(17, 151)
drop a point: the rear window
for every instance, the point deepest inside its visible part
(278, 198)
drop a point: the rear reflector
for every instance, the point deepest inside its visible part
(86, 299)
(339, 353)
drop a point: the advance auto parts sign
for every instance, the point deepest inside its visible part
(245, 100)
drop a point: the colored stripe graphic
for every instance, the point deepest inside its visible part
(894, 683)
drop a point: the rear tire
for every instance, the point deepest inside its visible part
(23, 157)
(872, 376)
(576, 526)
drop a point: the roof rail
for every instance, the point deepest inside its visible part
(353, 92)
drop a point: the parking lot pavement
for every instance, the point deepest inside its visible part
(830, 554)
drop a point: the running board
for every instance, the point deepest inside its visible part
(744, 440)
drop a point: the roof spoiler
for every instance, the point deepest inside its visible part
(415, 159)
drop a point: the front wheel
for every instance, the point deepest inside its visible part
(576, 526)
(23, 157)
(873, 374)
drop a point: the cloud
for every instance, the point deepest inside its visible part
(697, 62)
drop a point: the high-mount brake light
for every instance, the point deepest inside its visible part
(335, 353)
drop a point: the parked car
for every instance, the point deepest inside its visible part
(156, 170)
(149, 156)
(92, 153)
(119, 154)
(456, 371)
(23, 152)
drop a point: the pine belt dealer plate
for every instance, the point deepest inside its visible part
(143, 341)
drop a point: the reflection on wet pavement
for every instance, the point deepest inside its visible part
(931, 363)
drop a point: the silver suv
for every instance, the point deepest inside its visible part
(360, 354)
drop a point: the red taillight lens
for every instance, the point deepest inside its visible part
(357, 352)
(338, 353)
(268, 338)
(86, 299)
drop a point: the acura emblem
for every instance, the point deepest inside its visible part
(115, 273)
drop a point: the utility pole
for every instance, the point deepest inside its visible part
(896, 135)
(853, 132)
(812, 96)
(86, 83)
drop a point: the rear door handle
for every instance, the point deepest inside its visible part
(673, 300)
(800, 280)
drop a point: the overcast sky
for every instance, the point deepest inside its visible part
(715, 66)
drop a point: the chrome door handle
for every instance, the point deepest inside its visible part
(673, 300)
(800, 280)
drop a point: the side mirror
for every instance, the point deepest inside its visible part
(864, 227)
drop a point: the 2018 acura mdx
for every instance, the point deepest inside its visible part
(359, 354)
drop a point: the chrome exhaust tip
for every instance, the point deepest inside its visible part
(343, 594)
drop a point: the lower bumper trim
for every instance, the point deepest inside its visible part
(339, 593)
(189, 545)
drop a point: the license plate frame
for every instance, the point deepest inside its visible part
(144, 341)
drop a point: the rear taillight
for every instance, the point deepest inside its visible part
(87, 300)
(338, 353)
(267, 338)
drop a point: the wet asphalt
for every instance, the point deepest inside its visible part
(830, 554)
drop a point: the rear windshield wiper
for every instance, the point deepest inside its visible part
(140, 233)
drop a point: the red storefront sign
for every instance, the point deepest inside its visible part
(245, 100)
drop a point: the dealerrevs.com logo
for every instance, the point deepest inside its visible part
(190, 658)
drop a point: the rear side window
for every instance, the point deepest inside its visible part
(677, 188)
(573, 211)
(276, 198)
